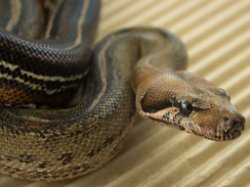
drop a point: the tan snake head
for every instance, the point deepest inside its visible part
(190, 103)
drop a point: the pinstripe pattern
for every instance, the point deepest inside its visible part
(59, 61)
(217, 36)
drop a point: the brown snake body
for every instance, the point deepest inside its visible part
(56, 144)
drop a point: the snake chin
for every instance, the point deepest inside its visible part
(231, 135)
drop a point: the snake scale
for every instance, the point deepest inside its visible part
(46, 57)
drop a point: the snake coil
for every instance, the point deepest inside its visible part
(139, 68)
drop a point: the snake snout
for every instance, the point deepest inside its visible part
(234, 125)
(236, 122)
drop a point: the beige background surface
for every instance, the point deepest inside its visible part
(217, 35)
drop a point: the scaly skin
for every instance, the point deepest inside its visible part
(57, 144)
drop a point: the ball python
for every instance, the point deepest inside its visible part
(46, 56)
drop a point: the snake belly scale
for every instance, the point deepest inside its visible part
(145, 66)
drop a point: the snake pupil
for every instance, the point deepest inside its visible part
(186, 107)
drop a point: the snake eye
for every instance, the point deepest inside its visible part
(186, 107)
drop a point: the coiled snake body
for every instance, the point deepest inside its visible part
(60, 143)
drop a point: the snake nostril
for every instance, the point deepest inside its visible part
(226, 120)
(238, 124)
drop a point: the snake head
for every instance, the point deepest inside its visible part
(190, 103)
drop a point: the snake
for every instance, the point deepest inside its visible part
(48, 59)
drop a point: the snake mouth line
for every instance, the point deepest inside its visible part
(230, 135)
(223, 136)
(217, 135)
